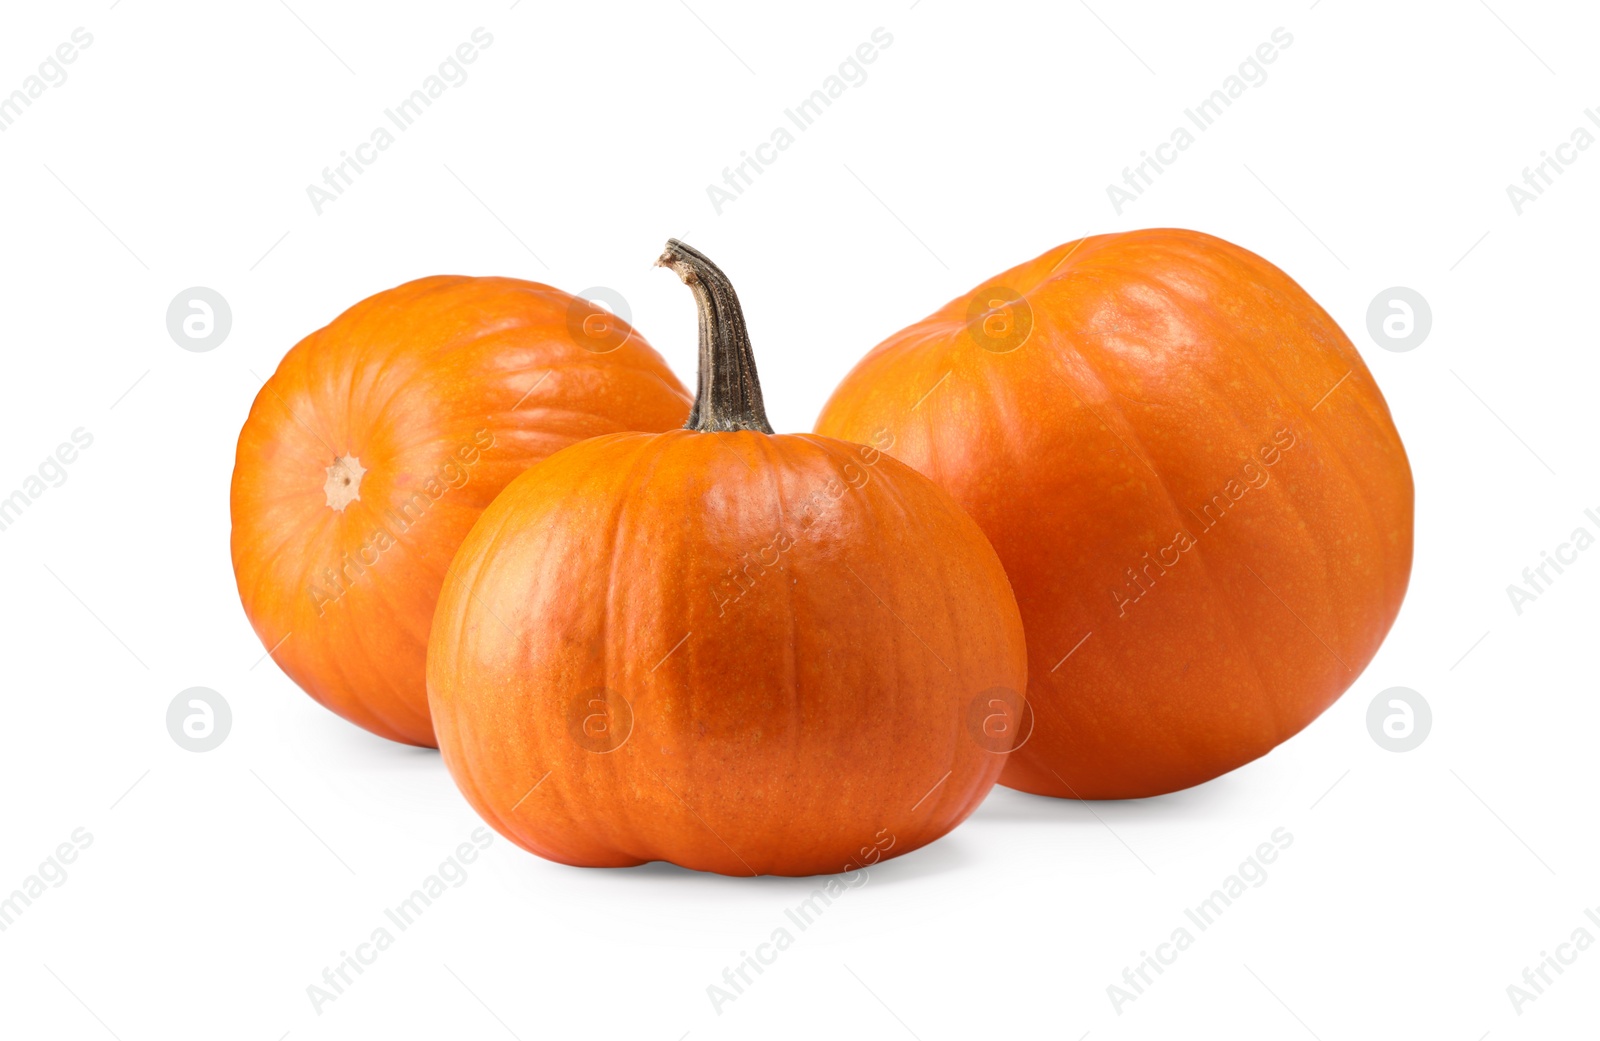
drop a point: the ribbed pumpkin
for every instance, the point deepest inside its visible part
(1194, 484)
(735, 651)
(372, 449)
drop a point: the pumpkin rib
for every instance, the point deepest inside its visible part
(696, 819)
(1282, 727)
(509, 326)
(948, 794)
(391, 711)
(615, 840)
(1189, 749)
(772, 462)
(270, 557)
(1355, 486)
(401, 394)
(463, 769)
(264, 573)
(982, 386)
(414, 627)
(1335, 450)
(526, 412)
(638, 463)
(1308, 422)
(1266, 691)
(1177, 741)
(899, 501)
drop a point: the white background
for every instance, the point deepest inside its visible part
(219, 885)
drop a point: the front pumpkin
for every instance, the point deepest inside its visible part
(739, 652)
(1194, 484)
(375, 445)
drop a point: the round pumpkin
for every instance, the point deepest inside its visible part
(372, 449)
(732, 650)
(1194, 484)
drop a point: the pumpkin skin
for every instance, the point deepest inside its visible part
(373, 448)
(735, 651)
(1194, 484)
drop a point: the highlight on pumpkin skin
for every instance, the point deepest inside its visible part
(377, 442)
(737, 651)
(1192, 479)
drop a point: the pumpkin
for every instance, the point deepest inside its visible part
(375, 445)
(1194, 484)
(736, 651)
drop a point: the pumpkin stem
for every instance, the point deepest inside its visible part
(729, 394)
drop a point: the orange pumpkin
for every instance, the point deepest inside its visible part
(735, 651)
(1194, 484)
(370, 452)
